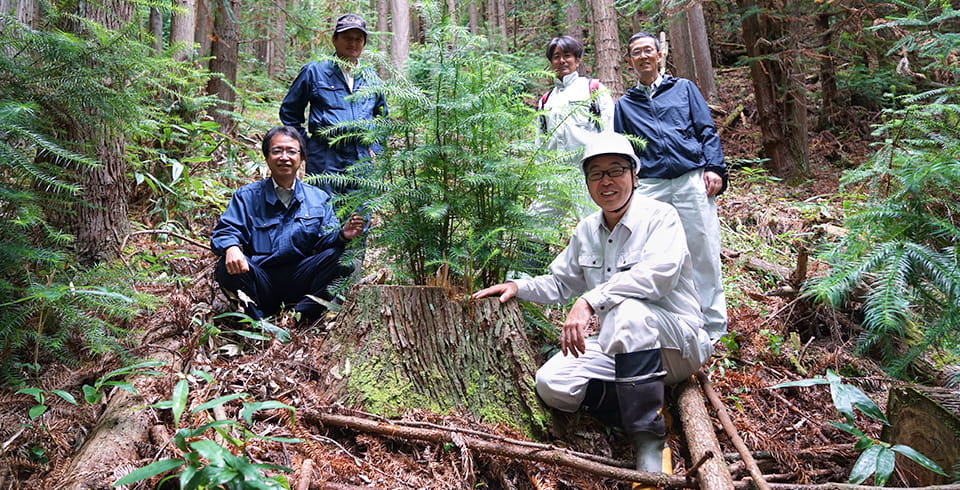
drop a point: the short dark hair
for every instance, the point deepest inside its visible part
(641, 35)
(286, 131)
(565, 44)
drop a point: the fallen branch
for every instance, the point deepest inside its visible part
(748, 485)
(727, 424)
(701, 439)
(493, 437)
(554, 456)
(164, 232)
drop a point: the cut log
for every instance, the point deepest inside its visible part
(112, 449)
(713, 474)
(928, 420)
(398, 347)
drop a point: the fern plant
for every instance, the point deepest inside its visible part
(455, 183)
(51, 82)
(902, 240)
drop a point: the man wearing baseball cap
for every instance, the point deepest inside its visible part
(340, 107)
(636, 323)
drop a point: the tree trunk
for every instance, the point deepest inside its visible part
(183, 25)
(156, 29)
(400, 50)
(771, 34)
(828, 72)
(102, 217)
(574, 15)
(383, 29)
(224, 62)
(606, 43)
(691, 49)
(474, 17)
(400, 347)
(204, 35)
(271, 25)
(26, 11)
(277, 56)
(496, 21)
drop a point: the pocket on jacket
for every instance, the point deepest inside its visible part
(262, 231)
(592, 266)
(331, 97)
(628, 259)
(308, 231)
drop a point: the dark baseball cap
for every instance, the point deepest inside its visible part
(350, 21)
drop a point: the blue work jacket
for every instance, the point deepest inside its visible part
(321, 85)
(677, 125)
(271, 234)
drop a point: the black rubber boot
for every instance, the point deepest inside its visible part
(601, 402)
(640, 393)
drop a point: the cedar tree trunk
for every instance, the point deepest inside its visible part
(397, 348)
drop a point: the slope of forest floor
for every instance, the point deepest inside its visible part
(778, 337)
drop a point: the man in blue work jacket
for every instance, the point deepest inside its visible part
(681, 164)
(331, 87)
(278, 240)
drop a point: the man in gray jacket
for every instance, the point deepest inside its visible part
(629, 269)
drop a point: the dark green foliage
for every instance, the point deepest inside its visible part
(902, 241)
(456, 181)
(57, 90)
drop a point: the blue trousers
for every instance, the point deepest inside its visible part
(288, 284)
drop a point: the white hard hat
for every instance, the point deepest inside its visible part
(608, 143)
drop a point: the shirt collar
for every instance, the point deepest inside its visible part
(653, 86)
(567, 79)
(278, 186)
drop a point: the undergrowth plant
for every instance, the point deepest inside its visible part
(205, 463)
(877, 458)
(899, 257)
(462, 167)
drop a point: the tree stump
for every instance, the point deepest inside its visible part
(928, 420)
(399, 347)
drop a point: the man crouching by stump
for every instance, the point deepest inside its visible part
(629, 265)
(279, 241)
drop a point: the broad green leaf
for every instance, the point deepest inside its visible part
(180, 393)
(801, 383)
(885, 464)
(150, 470)
(66, 396)
(848, 428)
(249, 408)
(203, 374)
(281, 334)
(219, 401)
(919, 458)
(91, 395)
(853, 396)
(210, 450)
(36, 411)
(36, 393)
(123, 385)
(865, 465)
(251, 335)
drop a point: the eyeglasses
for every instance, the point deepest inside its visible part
(612, 173)
(276, 152)
(645, 52)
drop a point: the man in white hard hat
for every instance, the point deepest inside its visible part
(629, 268)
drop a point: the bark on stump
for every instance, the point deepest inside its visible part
(398, 347)
(928, 420)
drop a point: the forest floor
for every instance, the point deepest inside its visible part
(777, 337)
